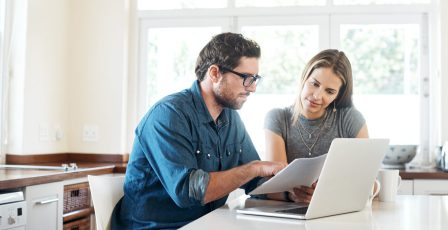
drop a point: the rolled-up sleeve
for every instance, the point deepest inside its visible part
(166, 141)
(198, 184)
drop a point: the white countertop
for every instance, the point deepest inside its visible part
(407, 212)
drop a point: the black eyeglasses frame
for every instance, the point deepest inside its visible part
(254, 78)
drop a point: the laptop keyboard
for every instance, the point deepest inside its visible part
(301, 210)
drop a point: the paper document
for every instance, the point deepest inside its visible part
(303, 171)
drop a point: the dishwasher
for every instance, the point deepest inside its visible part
(12, 210)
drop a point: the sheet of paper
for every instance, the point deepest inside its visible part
(303, 171)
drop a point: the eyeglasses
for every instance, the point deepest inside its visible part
(248, 79)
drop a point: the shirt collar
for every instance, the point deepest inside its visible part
(203, 113)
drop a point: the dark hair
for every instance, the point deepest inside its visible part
(225, 49)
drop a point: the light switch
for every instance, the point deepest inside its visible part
(90, 133)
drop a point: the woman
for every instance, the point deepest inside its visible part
(322, 111)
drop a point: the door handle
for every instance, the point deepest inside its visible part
(41, 202)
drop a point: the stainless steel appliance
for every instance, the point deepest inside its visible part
(12, 210)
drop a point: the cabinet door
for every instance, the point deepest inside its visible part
(406, 187)
(430, 187)
(45, 204)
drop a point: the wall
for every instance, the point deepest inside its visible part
(70, 71)
(443, 11)
(98, 74)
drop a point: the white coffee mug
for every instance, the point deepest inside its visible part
(390, 181)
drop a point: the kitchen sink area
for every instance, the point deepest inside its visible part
(63, 167)
(15, 175)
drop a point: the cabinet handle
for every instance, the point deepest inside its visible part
(437, 194)
(47, 201)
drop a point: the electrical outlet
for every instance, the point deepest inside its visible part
(90, 133)
(58, 133)
(44, 132)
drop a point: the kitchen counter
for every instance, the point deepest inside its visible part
(418, 173)
(16, 178)
(407, 212)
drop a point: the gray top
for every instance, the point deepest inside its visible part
(317, 134)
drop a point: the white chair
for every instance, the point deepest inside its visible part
(106, 191)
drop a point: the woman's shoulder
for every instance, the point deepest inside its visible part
(349, 110)
(276, 112)
(350, 113)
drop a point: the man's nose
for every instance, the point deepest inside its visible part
(252, 88)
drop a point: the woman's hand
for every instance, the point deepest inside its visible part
(302, 194)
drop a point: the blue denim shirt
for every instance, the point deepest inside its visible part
(177, 143)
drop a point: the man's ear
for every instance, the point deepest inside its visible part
(213, 73)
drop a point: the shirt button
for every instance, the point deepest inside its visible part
(208, 156)
(198, 151)
(228, 153)
(241, 150)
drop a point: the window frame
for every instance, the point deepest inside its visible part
(424, 82)
(328, 16)
(145, 25)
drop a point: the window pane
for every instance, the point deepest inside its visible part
(274, 3)
(379, 2)
(385, 61)
(179, 4)
(281, 66)
(171, 59)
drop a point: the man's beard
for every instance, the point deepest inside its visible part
(223, 97)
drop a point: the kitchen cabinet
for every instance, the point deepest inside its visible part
(78, 209)
(423, 187)
(44, 206)
(406, 187)
(430, 187)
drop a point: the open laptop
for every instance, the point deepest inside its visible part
(344, 185)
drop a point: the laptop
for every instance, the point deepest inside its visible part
(344, 184)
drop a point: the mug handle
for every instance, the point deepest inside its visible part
(399, 181)
(375, 190)
(378, 188)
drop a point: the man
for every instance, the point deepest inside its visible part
(191, 149)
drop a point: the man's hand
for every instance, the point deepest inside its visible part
(303, 193)
(266, 168)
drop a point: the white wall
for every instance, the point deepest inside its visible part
(70, 70)
(98, 74)
(444, 68)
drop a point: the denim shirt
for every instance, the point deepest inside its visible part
(177, 143)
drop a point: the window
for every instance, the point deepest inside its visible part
(2, 71)
(179, 4)
(386, 49)
(387, 56)
(167, 60)
(275, 3)
(379, 2)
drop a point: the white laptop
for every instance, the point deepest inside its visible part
(344, 185)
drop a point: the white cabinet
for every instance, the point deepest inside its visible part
(406, 187)
(430, 187)
(44, 206)
(423, 187)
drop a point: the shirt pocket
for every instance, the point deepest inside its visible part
(205, 157)
(232, 155)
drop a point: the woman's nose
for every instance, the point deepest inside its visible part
(317, 94)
